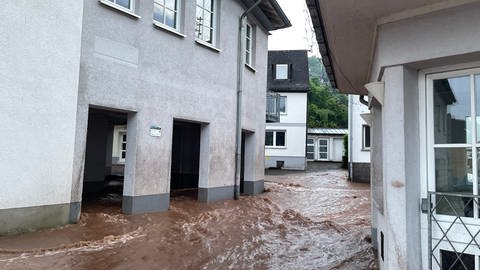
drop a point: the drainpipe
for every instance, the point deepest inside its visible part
(240, 67)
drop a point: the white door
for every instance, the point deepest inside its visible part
(450, 222)
(322, 149)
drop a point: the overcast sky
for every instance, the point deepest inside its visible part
(300, 35)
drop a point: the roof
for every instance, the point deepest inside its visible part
(298, 80)
(327, 131)
(270, 14)
(346, 32)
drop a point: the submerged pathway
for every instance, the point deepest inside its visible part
(304, 220)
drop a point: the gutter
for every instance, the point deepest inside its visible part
(240, 68)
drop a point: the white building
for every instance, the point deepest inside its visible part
(285, 139)
(90, 86)
(325, 144)
(419, 62)
(359, 140)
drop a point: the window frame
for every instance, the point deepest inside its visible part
(328, 149)
(306, 149)
(118, 132)
(274, 141)
(276, 66)
(178, 27)
(213, 23)
(250, 50)
(364, 138)
(130, 11)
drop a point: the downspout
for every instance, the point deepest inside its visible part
(240, 67)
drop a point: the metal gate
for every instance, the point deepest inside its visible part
(453, 231)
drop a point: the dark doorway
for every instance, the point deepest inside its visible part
(105, 156)
(185, 159)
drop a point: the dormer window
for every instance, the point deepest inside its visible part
(281, 72)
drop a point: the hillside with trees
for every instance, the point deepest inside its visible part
(327, 107)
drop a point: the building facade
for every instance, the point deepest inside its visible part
(326, 144)
(418, 61)
(359, 140)
(147, 94)
(285, 140)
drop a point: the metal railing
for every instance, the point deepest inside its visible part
(446, 251)
(273, 104)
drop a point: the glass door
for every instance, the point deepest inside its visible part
(453, 168)
(322, 149)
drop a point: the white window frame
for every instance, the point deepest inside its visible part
(178, 16)
(118, 132)
(318, 149)
(249, 45)
(213, 23)
(364, 138)
(277, 66)
(130, 11)
(306, 150)
(427, 149)
(275, 139)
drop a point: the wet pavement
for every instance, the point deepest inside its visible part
(305, 220)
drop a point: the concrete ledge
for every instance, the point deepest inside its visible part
(27, 219)
(215, 194)
(253, 187)
(133, 205)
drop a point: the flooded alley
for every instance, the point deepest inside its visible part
(304, 220)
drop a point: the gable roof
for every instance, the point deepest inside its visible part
(270, 14)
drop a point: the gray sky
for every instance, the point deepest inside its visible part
(298, 37)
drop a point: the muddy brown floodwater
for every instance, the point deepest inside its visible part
(305, 220)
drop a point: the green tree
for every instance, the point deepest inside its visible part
(327, 107)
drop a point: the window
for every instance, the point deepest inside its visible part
(323, 149)
(365, 137)
(249, 45)
(282, 107)
(166, 12)
(119, 151)
(127, 4)
(275, 138)
(281, 72)
(310, 149)
(205, 21)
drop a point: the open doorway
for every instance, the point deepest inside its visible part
(184, 180)
(105, 156)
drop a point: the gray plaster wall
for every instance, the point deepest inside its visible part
(40, 60)
(156, 77)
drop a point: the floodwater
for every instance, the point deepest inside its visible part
(304, 220)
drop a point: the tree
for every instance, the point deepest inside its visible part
(327, 107)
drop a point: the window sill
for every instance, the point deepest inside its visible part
(365, 149)
(208, 45)
(119, 8)
(275, 147)
(169, 29)
(250, 68)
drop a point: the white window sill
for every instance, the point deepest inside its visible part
(275, 147)
(208, 45)
(250, 67)
(366, 149)
(119, 8)
(169, 29)
(283, 113)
